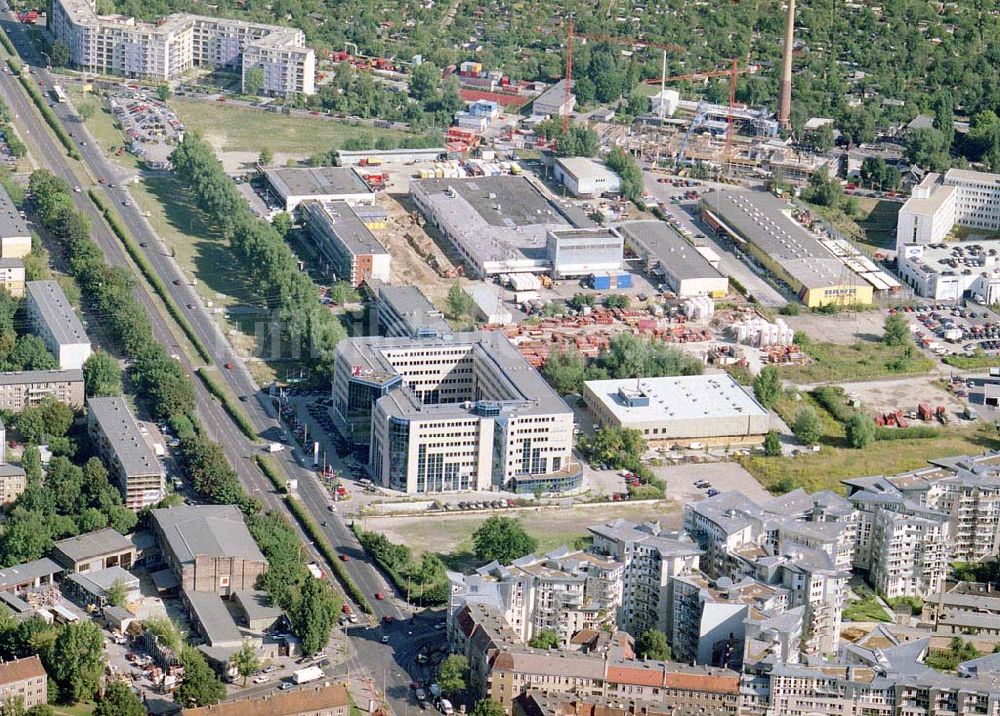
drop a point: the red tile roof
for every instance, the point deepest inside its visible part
(20, 669)
(704, 682)
(287, 703)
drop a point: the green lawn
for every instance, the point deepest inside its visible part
(230, 128)
(862, 360)
(867, 609)
(825, 469)
(102, 125)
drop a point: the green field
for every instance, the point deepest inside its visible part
(862, 360)
(230, 128)
(102, 125)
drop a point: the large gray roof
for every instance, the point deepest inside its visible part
(409, 305)
(73, 375)
(316, 181)
(122, 431)
(210, 530)
(56, 312)
(670, 249)
(336, 221)
(93, 544)
(216, 622)
(27, 572)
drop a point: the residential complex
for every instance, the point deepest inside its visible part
(12, 477)
(166, 49)
(122, 445)
(12, 276)
(24, 389)
(461, 411)
(349, 249)
(55, 321)
(704, 407)
(24, 682)
(15, 236)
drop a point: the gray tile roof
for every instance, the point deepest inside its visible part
(93, 544)
(211, 530)
(122, 431)
(56, 312)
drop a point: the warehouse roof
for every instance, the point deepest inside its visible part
(217, 624)
(316, 181)
(256, 604)
(661, 242)
(27, 572)
(581, 168)
(11, 223)
(677, 398)
(764, 220)
(211, 530)
(100, 581)
(120, 428)
(336, 221)
(93, 544)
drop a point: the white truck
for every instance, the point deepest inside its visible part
(310, 673)
(275, 447)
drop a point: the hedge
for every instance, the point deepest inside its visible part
(326, 549)
(7, 44)
(152, 277)
(234, 411)
(917, 432)
(270, 470)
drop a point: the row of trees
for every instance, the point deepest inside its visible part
(272, 267)
(626, 357)
(160, 381)
(424, 581)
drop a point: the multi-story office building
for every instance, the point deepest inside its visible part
(564, 592)
(26, 388)
(126, 47)
(129, 458)
(457, 412)
(349, 249)
(55, 322)
(406, 311)
(938, 203)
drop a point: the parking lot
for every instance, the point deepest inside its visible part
(150, 127)
(946, 329)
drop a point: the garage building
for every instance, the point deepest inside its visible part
(586, 178)
(683, 267)
(711, 408)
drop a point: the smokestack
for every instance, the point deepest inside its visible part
(785, 101)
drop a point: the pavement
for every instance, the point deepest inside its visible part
(49, 153)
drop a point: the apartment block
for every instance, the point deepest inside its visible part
(55, 322)
(164, 50)
(126, 453)
(15, 236)
(12, 276)
(25, 681)
(12, 477)
(564, 592)
(24, 389)
(449, 413)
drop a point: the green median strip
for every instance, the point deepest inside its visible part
(47, 114)
(7, 44)
(326, 549)
(228, 403)
(271, 472)
(149, 272)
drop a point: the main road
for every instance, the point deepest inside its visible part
(379, 660)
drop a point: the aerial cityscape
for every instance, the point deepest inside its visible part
(504, 359)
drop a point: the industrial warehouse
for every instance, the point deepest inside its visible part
(457, 412)
(820, 272)
(686, 269)
(713, 408)
(499, 224)
(294, 186)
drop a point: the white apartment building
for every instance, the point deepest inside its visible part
(450, 413)
(938, 203)
(564, 592)
(55, 322)
(126, 47)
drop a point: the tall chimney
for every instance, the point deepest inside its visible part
(785, 101)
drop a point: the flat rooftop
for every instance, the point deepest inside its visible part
(765, 221)
(11, 223)
(329, 219)
(495, 218)
(683, 397)
(56, 312)
(955, 257)
(669, 248)
(316, 182)
(94, 544)
(409, 305)
(217, 624)
(586, 168)
(122, 431)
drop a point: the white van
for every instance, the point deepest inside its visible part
(444, 706)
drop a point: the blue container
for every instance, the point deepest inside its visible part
(624, 280)
(600, 281)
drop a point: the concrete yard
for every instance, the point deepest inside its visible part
(843, 328)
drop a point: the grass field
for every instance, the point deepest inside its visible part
(230, 128)
(878, 221)
(450, 537)
(825, 469)
(862, 360)
(102, 125)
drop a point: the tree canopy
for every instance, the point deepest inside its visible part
(502, 539)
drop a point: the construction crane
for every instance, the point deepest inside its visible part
(610, 40)
(733, 71)
(700, 115)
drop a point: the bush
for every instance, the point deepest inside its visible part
(860, 431)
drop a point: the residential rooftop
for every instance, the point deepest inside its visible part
(127, 442)
(23, 377)
(56, 312)
(11, 223)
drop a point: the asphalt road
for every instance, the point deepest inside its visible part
(48, 152)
